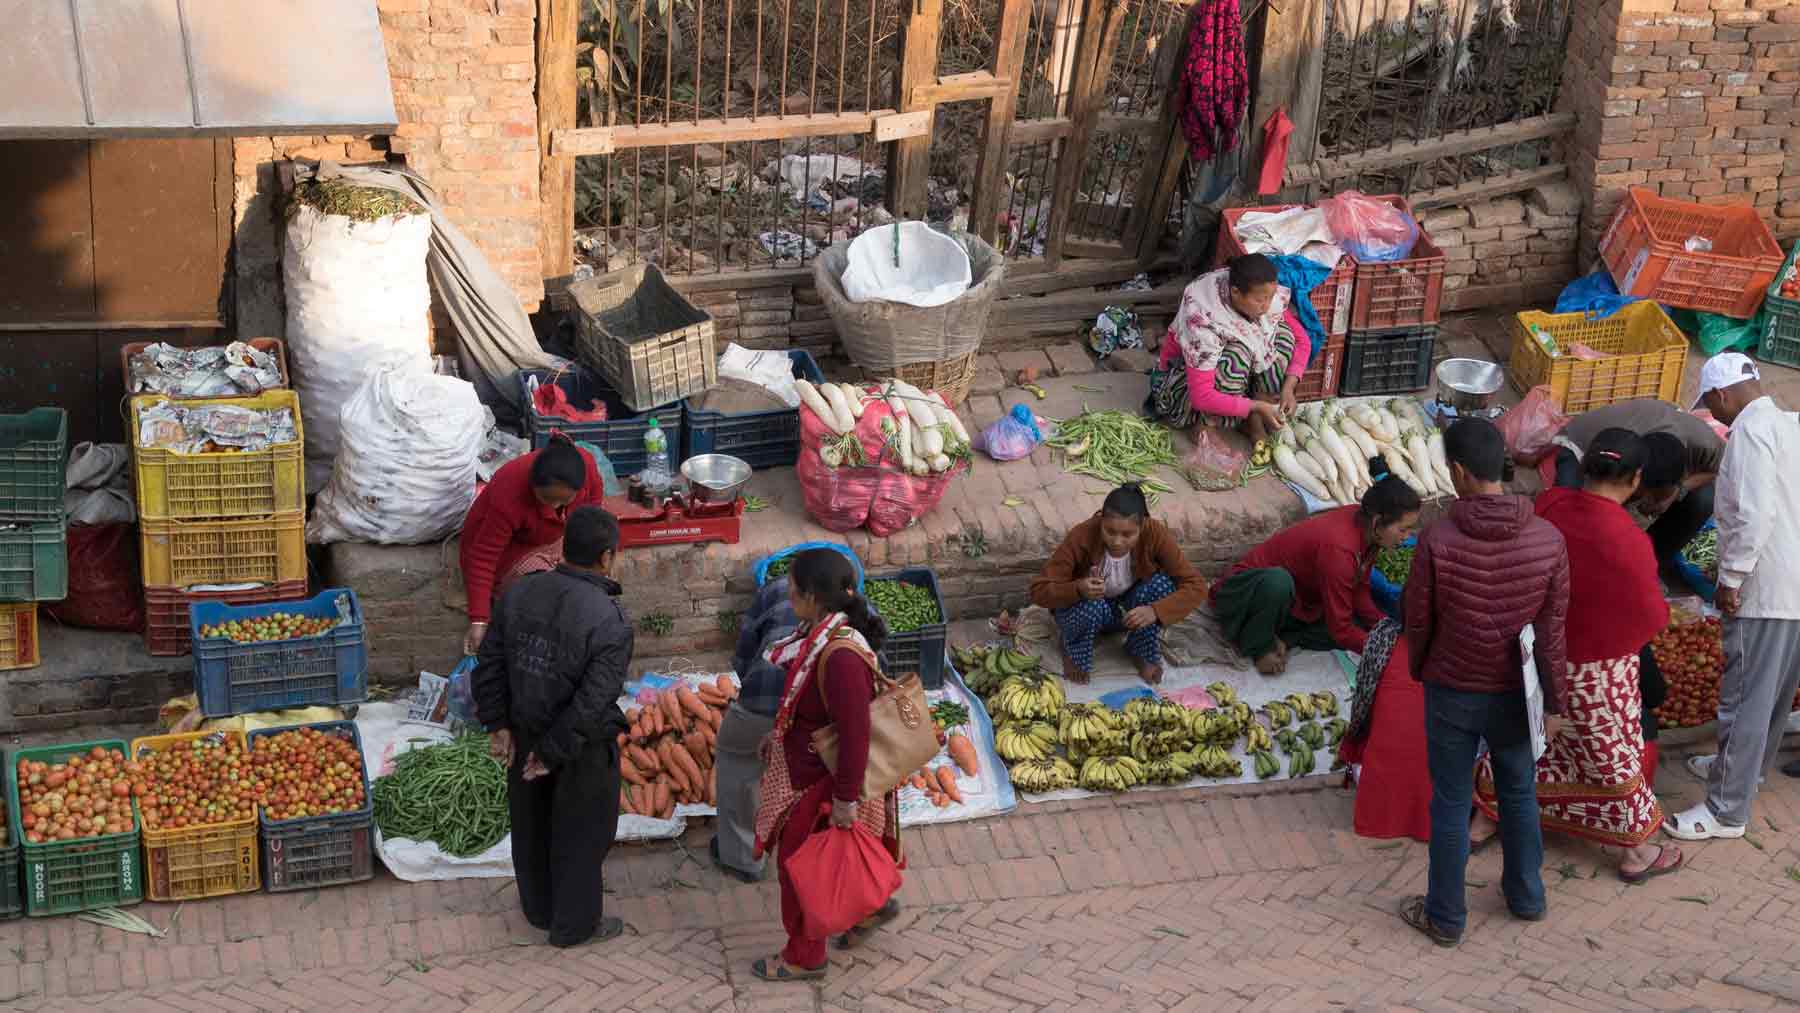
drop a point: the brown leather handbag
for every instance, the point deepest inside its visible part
(902, 737)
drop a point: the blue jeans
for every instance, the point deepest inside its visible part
(1455, 724)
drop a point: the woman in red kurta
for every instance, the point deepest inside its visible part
(1590, 780)
(515, 526)
(831, 668)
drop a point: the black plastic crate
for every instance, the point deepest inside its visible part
(620, 437)
(1395, 361)
(920, 650)
(766, 439)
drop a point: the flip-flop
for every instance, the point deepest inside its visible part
(777, 969)
(1699, 824)
(1412, 912)
(1654, 869)
(862, 930)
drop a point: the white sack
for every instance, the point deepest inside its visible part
(405, 473)
(357, 299)
(934, 268)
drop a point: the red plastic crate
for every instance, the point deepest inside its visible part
(1645, 250)
(1320, 381)
(1331, 299)
(1400, 293)
(167, 630)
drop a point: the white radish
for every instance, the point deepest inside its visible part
(1407, 411)
(1359, 436)
(948, 414)
(831, 455)
(846, 419)
(1291, 469)
(1396, 462)
(820, 405)
(1346, 461)
(940, 463)
(1419, 459)
(925, 434)
(1390, 426)
(854, 397)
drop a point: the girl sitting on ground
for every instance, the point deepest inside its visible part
(1118, 570)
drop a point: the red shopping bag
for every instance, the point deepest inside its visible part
(841, 877)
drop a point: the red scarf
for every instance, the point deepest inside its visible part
(1214, 88)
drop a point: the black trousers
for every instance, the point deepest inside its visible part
(563, 825)
(1669, 533)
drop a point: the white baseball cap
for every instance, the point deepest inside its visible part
(1727, 369)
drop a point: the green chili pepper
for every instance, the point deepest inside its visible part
(452, 793)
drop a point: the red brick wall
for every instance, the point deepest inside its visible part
(1694, 98)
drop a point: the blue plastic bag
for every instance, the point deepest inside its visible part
(1595, 295)
(462, 691)
(608, 476)
(761, 570)
(1013, 436)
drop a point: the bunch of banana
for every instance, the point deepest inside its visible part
(985, 669)
(1313, 735)
(1085, 724)
(1213, 727)
(1031, 695)
(1240, 712)
(1214, 761)
(1280, 714)
(1038, 776)
(1266, 764)
(1325, 702)
(1302, 705)
(1287, 740)
(1147, 746)
(1222, 693)
(1257, 739)
(1154, 714)
(1171, 769)
(1024, 740)
(1111, 773)
(1300, 762)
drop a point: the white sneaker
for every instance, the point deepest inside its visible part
(1701, 766)
(1699, 824)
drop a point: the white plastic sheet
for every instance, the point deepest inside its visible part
(386, 732)
(933, 268)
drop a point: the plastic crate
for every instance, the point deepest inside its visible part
(1408, 292)
(12, 899)
(191, 487)
(319, 850)
(1645, 355)
(653, 346)
(620, 437)
(921, 650)
(254, 550)
(1781, 341)
(18, 636)
(273, 346)
(167, 611)
(329, 669)
(34, 453)
(1320, 381)
(77, 875)
(34, 562)
(210, 860)
(765, 439)
(1331, 298)
(1645, 250)
(1396, 361)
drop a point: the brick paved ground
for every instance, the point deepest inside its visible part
(1172, 901)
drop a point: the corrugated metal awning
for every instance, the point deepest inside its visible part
(122, 68)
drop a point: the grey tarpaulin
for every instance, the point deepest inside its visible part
(493, 333)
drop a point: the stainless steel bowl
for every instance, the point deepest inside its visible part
(1468, 385)
(714, 478)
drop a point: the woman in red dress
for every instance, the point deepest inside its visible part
(1386, 742)
(831, 666)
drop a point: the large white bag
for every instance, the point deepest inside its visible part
(933, 268)
(357, 299)
(405, 473)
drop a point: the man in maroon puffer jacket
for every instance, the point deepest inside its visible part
(1479, 577)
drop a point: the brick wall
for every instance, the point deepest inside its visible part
(1507, 250)
(1694, 98)
(464, 75)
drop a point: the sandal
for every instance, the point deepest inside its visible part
(861, 930)
(776, 969)
(1699, 824)
(1654, 869)
(1413, 913)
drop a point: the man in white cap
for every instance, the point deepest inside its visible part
(1757, 498)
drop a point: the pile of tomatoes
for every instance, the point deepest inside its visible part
(86, 795)
(274, 626)
(306, 772)
(195, 783)
(1790, 286)
(1692, 658)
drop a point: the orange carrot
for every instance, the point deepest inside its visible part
(690, 703)
(670, 755)
(918, 781)
(687, 766)
(963, 752)
(946, 779)
(696, 748)
(644, 759)
(710, 695)
(626, 805)
(671, 707)
(629, 771)
(727, 687)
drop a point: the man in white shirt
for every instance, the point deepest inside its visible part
(1757, 500)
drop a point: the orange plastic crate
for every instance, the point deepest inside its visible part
(1645, 249)
(18, 635)
(1320, 381)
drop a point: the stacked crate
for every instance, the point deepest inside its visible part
(223, 526)
(34, 552)
(1394, 319)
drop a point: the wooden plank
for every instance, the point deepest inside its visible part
(556, 104)
(1072, 307)
(1460, 142)
(1309, 84)
(113, 325)
(1156, 193)
(987, 199)
(604, 140)
(979, 84)
(733, 281)
(899, 126)
(1479, 190)
(909, 161)
(1094, 54)
(1095, 249)
(1039, 131)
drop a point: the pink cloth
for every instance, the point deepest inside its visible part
(1203, 388)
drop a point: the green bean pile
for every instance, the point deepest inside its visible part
(452, 793)
(1394, 564)
(1115, 447)
(906, 607)
(1703, 552)
(780, 567)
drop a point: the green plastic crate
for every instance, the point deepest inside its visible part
(69, 876)
(1781, 341)
(34, 450)
(12, 902)
(34, 562)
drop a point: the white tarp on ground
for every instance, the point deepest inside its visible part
(386, 732)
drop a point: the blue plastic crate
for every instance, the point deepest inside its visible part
(330, 669)
(315, 851)
(765, 439)
(620, 437)
(921, 650)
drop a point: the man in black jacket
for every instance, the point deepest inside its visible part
(546, 686)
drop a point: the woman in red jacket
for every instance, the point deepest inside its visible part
(831, 665)
(1308, 586)
(516, 525)
(1590, 780)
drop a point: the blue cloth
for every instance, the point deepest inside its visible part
(1301, 275)
(1595, 295)
(1455, 724)
(770, 619)
(1081, 622)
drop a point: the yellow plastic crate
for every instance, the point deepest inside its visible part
(210, 860)
(1644, 355)
(18, 635)
(172, 486)
(256, 550)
